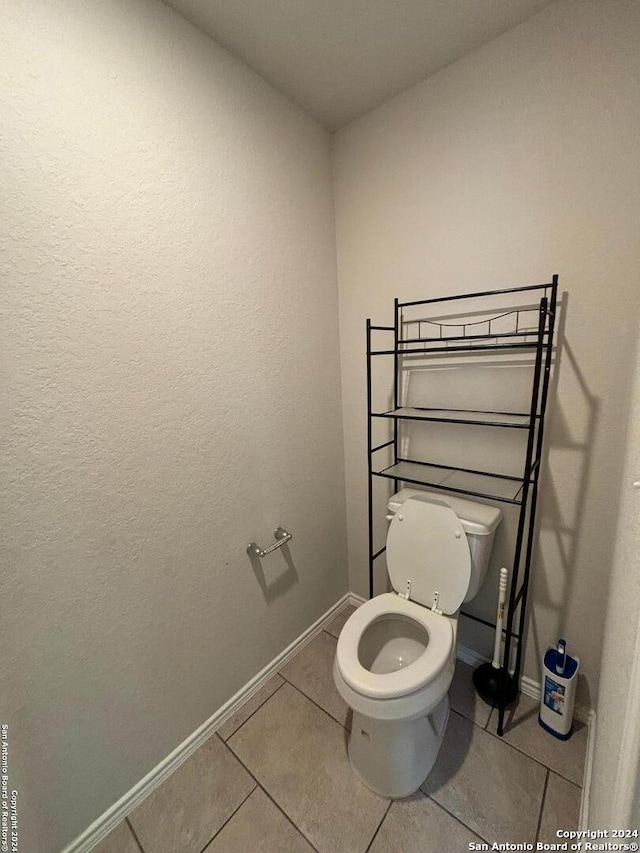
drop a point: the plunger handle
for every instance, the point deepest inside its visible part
(502, 594)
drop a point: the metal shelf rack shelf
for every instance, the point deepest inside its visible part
(514, 420)
(424, 338)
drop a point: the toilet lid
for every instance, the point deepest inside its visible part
(427, 545)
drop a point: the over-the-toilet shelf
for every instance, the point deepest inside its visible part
(515, 323)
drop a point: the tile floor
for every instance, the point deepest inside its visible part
(275, 778)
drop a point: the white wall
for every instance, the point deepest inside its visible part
(615, 781)
(168, 270)
(516, 162)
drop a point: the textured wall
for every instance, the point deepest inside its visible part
(518, 161)
(171, 381)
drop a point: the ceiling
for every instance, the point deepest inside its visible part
(340, 58)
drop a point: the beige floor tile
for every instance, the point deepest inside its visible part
(260, 827)
(335, 626)
(463, 696)
(523, 731)
(299, 755)
(418, 825)
(192, 804)
(250, 706)
(493, 789)
(561, 808)
(311, 671)
(119, 840)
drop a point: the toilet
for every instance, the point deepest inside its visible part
(396, 653)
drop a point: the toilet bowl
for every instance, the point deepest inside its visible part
(393, 666)
(395, 655)
(394, 658)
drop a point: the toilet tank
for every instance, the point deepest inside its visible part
(479, 522)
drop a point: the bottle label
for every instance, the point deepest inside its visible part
(554, 695)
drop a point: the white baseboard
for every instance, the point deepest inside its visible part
(583, 822)
(101, 827)
(469, 656)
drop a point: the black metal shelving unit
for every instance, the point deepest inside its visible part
(474, 337)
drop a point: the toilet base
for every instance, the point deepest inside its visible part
(394, 757)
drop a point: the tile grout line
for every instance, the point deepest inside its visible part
(232, 815)
(542, 803)
(267, 794)
(475, 832)
(517, 748)
(300, 691)
(255, 781)
(238, 807)
(290, 820)
(476, 696)
(464, 716)
(313, 702)
(386, 812)
(467, 719)
(560, 776)
(526, 755)
(134, 833)
(224, 740)
(329, 634)
(486, 725)
(320, 708)
(455, 816)
(258, 784)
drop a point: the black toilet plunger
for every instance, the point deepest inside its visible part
(492, 681)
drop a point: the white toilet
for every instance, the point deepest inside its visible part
(396, 654)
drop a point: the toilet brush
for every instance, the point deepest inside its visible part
(491, 680)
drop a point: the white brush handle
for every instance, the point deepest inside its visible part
(502, 594)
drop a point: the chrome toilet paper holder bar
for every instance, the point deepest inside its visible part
(282, 538)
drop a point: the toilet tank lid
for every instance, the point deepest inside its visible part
(476, 518)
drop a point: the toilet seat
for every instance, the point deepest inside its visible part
(428, 553)
(403, 681)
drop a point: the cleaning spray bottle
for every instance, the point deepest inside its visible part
(559, 680)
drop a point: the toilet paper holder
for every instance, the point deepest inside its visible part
(282, 537)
